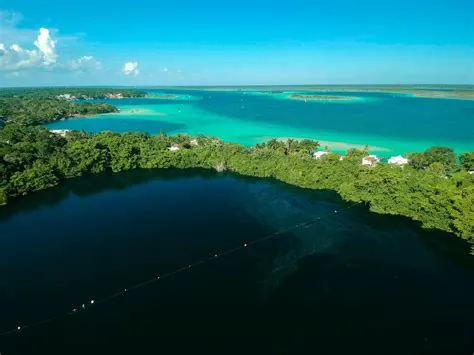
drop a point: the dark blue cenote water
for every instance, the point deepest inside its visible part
(353, 283)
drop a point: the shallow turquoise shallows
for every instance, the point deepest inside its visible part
(388, 123)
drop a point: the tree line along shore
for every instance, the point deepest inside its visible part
(436, 187)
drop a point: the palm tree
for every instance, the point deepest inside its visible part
(290, 146)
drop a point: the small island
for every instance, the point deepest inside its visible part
(453, 95)
(454, 92)
(292, 95)
(465, 92)
(164, 96)
(321, 97)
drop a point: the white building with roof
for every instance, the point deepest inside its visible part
(398, 160)
(318, 155)
(68, 97)
(370, 160)
(60, 132)
(174, 147)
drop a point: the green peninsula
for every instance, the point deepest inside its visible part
(36, 106)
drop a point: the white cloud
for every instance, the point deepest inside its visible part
(11, 32)
(17, 58)
(46, 46)
(86, 63)
(26, 49)
(131, 68)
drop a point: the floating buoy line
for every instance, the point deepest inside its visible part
(94, 302)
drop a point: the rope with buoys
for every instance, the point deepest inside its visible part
(92, 302)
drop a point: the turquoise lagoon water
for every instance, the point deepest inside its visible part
(388, 123)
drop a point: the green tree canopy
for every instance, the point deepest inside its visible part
(467, 161)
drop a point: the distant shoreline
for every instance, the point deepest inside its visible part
(454, 92)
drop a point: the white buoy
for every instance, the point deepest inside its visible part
(245, 245)
(92, 301)
(18, 328)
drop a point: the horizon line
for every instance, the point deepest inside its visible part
(233, 86)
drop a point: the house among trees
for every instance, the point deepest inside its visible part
(318, 155)
(370, 160)
(114, 95)
(60, 132)
(67, 97)
(174, 147)
(398, 160)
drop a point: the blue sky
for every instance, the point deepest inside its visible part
(187, 42)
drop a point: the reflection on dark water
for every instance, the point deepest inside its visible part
(95, 184)
(355, 282)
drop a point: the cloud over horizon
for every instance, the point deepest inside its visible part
(84, 64)
(131, 68)
(47, 46)
(16, 58)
